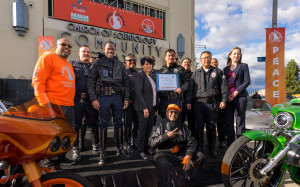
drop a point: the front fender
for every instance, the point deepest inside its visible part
(261, 135)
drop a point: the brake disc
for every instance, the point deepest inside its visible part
(254, 173)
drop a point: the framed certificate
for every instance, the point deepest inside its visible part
(167, 81)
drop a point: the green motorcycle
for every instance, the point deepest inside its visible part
(261, 158)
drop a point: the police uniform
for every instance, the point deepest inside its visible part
(206, 88)
(167, 97)
(188, 113)
(130, 114)
(83, 106)
(106, 82)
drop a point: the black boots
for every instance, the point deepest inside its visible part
(199, 138)
(102, 146)
(120, 150)
(95, 140)
(81, 137)
(76, 152)
(127, 137)
(211, 138)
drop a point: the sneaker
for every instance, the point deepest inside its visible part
(76, 154)
(66, 162)
(95, 147)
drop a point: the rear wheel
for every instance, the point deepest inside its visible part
(243, 160)
(62, 178)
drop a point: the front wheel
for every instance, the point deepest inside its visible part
(66, 179)
(243, 160)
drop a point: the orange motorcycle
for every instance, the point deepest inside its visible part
(29, 134)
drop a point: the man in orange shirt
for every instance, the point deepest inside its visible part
(54, 82)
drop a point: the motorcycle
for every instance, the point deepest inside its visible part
(30, 133)
(262, 158)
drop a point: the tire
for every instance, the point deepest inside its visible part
(64, 178)
(244, 158)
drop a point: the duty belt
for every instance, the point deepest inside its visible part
(209, 99)
(108, 91)
(82, 96)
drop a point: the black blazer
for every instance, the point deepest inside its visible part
(242, 78)
(143, 92)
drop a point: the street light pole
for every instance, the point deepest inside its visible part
(274, 14)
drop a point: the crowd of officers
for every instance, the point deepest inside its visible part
(105, 89)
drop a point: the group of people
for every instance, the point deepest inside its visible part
(88, 92)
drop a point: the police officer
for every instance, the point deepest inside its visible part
(208, 84)
(187, 64)
(221, 116)
(130, 114)
(83, 106)
(175, 97)
(107, 80)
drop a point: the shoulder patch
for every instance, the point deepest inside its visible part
(213, 74)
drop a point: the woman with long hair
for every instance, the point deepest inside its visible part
(237, 74)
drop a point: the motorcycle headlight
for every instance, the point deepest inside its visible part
(283, 120)
(66, 143)
(55, 144)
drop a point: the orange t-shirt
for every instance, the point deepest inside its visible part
(54, 80)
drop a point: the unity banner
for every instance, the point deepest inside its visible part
(275, 91)
(46, 44)
(99, 15)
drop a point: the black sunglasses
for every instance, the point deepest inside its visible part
(64, 45)
(131, 60)
(174, 112)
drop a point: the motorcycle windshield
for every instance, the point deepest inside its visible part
(35, 110)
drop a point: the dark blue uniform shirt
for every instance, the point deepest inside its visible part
(81, 71)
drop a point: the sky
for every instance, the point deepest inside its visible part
(221, 25)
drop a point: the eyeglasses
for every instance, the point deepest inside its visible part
(64, 45)
(131, 60)
(174, 112)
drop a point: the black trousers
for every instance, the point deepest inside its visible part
(205, 114)
(221, 125)
(190, 117)
(144, 129)
(236, 108)
(164, 165)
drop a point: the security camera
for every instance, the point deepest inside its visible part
(30, 4)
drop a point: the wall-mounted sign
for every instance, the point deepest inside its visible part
(99, 15)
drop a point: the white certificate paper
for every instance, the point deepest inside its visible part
(167, 82)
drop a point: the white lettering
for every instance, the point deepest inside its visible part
(275, 94)
(275, 49)
(275, 61)
(274, 83)
(275, 72)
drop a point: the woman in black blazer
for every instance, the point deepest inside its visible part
(238, 77)
(145, 104)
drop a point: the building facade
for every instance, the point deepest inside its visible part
(142, 27)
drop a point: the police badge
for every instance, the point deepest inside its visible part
(213, 74)
(175, 71)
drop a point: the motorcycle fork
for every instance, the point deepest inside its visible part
(279, 156)
(33, 172)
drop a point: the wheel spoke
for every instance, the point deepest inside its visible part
(236, 179)
(232, 173)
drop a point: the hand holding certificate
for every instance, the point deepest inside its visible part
(167, 82)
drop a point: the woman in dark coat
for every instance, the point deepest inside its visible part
(238, 77)
(145, 104)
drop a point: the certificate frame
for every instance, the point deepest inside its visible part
(167, 81)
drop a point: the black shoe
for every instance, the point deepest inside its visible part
(143, 156)
(150, 151)
(222, 144)
(102, 157)
(66, 162)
